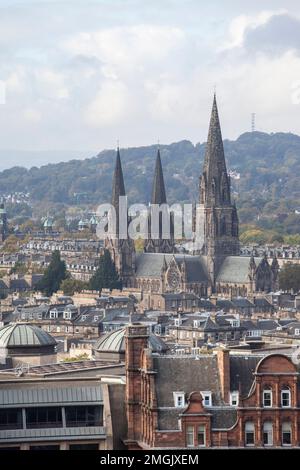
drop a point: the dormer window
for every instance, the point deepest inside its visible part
(207, 399)
(53, 314)
(179, 400)
(67, 315)
(267, 398)
(234, 398)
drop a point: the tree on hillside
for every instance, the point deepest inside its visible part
(289, 277)
(11, 244)
(106, 276)
(55, 273)
(69, 286)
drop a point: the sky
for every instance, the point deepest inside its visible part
(80, 75)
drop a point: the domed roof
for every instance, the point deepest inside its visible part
(22, 334)
(115, 342)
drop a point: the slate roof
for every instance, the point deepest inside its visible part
(242, 302)
(235, 269)
(262, 302)
(267, 325)
(149, 265)
(223, 418)
(185, 374)
(241, 372)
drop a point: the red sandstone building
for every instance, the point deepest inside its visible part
(214, 400)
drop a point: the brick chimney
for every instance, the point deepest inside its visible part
(136, 340)
(224, 373)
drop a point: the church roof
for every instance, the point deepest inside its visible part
(235, 269)
(149, 265)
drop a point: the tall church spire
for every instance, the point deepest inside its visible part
(120, 246)
(118, 187)
(158, 189)
(215, 186)
(157, 241)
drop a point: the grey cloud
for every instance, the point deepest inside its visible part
(280, 34)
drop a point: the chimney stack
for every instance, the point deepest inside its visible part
(136, 340)
(224, 373)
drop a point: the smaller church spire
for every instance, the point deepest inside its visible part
(118, 187)
(158, 188)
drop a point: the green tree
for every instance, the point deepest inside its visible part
(69, 286)
(289, 277)
(256, 236)
(55, 273)
(106, 276)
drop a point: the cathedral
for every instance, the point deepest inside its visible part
(216, 268)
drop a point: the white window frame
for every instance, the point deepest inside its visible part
(251, 429)
(202, 431)
(190, 431)
(267, 391)
(207, 396)
(179, 399)
(268, 429)
(297, 332)
(67, 315)
(285, 431)
(53, 314)
(234, 398)
(285, 391)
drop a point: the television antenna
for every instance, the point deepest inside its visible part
(253, 122)
(21, 369)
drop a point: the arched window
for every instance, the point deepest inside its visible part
(286, 434)
(267, 397)
(249, 434)
(285, 397)
(268, 433)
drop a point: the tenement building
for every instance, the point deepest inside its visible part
(215, 265)
(215, 400)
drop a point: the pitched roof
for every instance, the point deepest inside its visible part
(235, 269)
(242, 369)
(151, 264)
(186, 374)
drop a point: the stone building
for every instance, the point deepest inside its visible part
(209, 401)
(216, 265)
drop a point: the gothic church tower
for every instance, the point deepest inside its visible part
(218, 215)
(121, 247)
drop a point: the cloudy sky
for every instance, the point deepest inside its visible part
(80, 74)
